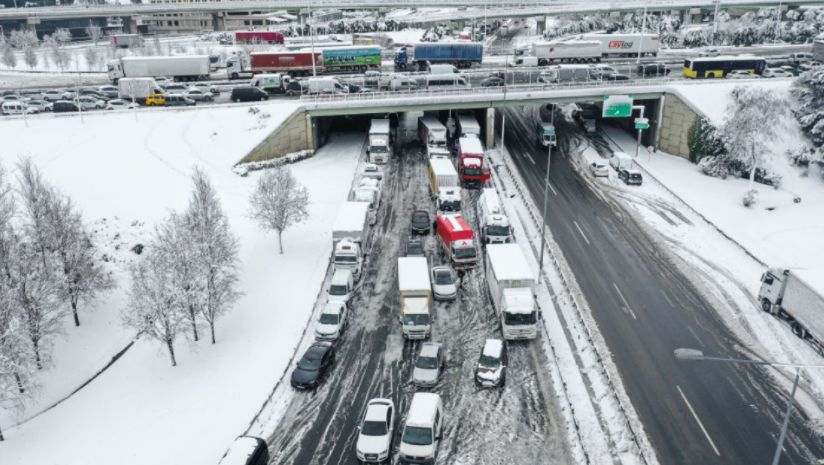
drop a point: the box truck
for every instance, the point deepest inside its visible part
(444, 185)
(379, 148)
(471, 164)
(784, 294)
(137, 89)
(625, 45)
(433, 134)
(351, 223)
(177, 67)
(511, 283)
(546, 134)
(258, 37)
(415, 293)
(457, 241)
(467, 125)
(127, 40)
(495, 226)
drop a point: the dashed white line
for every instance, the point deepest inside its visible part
(529, 157)
(666, 297)
(700, 342)
(552, 189)
(698, 420)
(624, 300)
(581, 231)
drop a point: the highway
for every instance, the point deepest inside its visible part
(644, 307)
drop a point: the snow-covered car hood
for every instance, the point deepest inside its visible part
(444, 289)
(373, 444)
(424, 376)
(417, 451)
(327, 330)
(488, 374)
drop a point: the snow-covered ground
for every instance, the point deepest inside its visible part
(711, 99)
(135, 170)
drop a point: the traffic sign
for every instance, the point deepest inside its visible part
(641, 123)
(617, 106)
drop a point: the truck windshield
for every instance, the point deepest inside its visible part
(497, 230)
(377, 149)
(416, 320)
(417, 436)
(520, 319)
(489, 362)
(465, 252)
(453, 206)
(472, 171)
(337, 289)
(439, 142)
(346, 259)
(328, 319)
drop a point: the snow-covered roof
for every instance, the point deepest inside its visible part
(471, 144)
(379, 126)
(508, 262)
(240, 451)
(472, 162)
(376, 410)
(416, 306)
(413, 273)
(341, 276)
(432, 123)
(351, 216)
(519, 300)
(728, 57)
(442, 166)
(422, 409)
(449, 194)
(492, 347)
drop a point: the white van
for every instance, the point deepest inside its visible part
(341, 286)
(423, 429)
(326, 85)
(620, 161)
(15, 108)
(435, 81)
(443, 69)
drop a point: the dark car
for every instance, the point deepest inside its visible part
(294, 88)
(630, 177)
(176, 100)
(64, 106)
(313, 366)
(248, 94)
(246, 450)
(653, 69)
(615, 77)
(493, 81)
(420, 222)
(414, 248)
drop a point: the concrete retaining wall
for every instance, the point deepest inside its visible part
(676, 120)
(291, 136)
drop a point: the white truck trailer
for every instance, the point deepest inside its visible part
(567, 51)
(137, 88)
(177, 67)
(511, 283)
(379, 148)
(784, 294)
(626, 45)
(495, 226)
(433, 134)
(415, 294)
(468, 125)
(351, 223)
(444, 184)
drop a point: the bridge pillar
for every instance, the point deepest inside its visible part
(129, 24)
(540, 25)
(311, 133)
(490, 128)
(218, 21)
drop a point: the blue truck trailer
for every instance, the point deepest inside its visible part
(460, 54)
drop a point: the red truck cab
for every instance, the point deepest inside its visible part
(471, 164)
(457, 241)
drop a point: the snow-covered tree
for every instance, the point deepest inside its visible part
(92, 58)
(279, 201)
(36, 200)
(62, 36)
(809, 91)
(754, 118)
(7, 56)
(30, 57)
(94, 33)
(215, 250)
(703, 140)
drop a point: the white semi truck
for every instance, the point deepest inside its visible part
(495, 226)
(415, 294)
(433, 134)
(625, 45)
(178, 67)
(784, 294)
(511, 283)
(379, 149)
(444, 184)
(569, 51)
(349, 236)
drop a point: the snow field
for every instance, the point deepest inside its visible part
(116, 166)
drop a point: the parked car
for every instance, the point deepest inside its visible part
(93, 93)
(444, 283)
(14, 108)
(491, 368)
(87, 102)
(332, 321)
(313, 366)
(776, 73)
(421, 223)
(178, 100)
(109, 91)
(174, 88)
(653, 69)
(793, 70)
(493, 81)
(599, 169)
(199, 95)
(8, 92)
(740, 74)
(801, 57)
(248, 94)
(428, 365)
(597, 71)
(246, 450)
(40, 105)
(341, 285)
(375, 432)
(709, 52)
(119, 104)
(630, 176)
(64, 106)
(294, 87)
(414, 248)
(55, 95)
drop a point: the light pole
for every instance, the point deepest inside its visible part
(312, 38)
(778, 22)
(546, 195)
(695, 355)
(715, 21)
(643, 28)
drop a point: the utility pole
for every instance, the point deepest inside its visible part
(312, 38)
(503, 131)
(643, 28)
(546, 197)
(715, 21)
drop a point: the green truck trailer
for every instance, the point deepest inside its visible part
(358, 58)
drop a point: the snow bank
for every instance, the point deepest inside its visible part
(115, 166)
(712, 98)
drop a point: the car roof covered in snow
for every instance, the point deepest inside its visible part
(341, 276)
(351, 216)
(413, 273)
(492, 347)
(422, 409)
(508, 262)
(334, 307)
(240, 451)
(429, 349)
(376, 409)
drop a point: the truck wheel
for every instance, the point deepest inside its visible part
(799, 330)
(234, 76)
(766, 306)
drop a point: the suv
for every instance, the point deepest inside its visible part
(248, 94)
(630, 176)
(293, 88)
(331, 322)
(421, 223)
(653, 69)
(428, 365)
(63, 106)
(313, 366)
(423, 429)
(414, 248)
(491, 368)
(375, 431)
(341, 286)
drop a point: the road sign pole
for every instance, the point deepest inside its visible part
(546, 197)
(640, 128)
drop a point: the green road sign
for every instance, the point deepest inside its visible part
(641, 123)
(617, 106)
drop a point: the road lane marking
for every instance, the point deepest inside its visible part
(552, 189)
(581, 231)
(529, 157)
(624, 300)
(700, 342)
(666, 297)
(698, 420)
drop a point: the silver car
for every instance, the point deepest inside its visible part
(90, 103)
(428, 365)
(198, 95)
(444, 283)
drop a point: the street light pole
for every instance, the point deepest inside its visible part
(312, 39)
(715, 21)
(546, 197)
(786, 423)
(643, 28)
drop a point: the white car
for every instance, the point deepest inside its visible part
(199, 95)
(709, 52)
(40, 105)
(739, 74)
(444, 283)
(428, 365)
(206, 87)
(599, 169)
(331, 322)
(90, 103)
(777, 73)
(55, 95)
(120, 104)
(162, 81)
(375, 431)
(108, 91)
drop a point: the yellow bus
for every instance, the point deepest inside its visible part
(718, 67)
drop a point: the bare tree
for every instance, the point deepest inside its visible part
(153, 302)
(279, 201)
(58, 54)
(30, 57)
(8, 57)
(174, 244)
(62, 36)
(92, 58)
(94, 32)
(215, 249)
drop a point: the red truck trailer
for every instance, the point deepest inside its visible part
(259, 37)
(457, 241)
(471, 164)
(294, 63)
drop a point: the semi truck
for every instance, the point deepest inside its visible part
(444, 185)
(293, 63)
(355, 58)
(546, 134)
(127, 40)
(784, 294)
(177, 67)
(495, 226)
(546, 53)
(471, 164)
(415, 294)
(258, 37)
(137, 89)
(433, 134)
(625, 45)
(379, 148)
(351, 223)
(457, 241)
(511, 284)
(460, 54)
